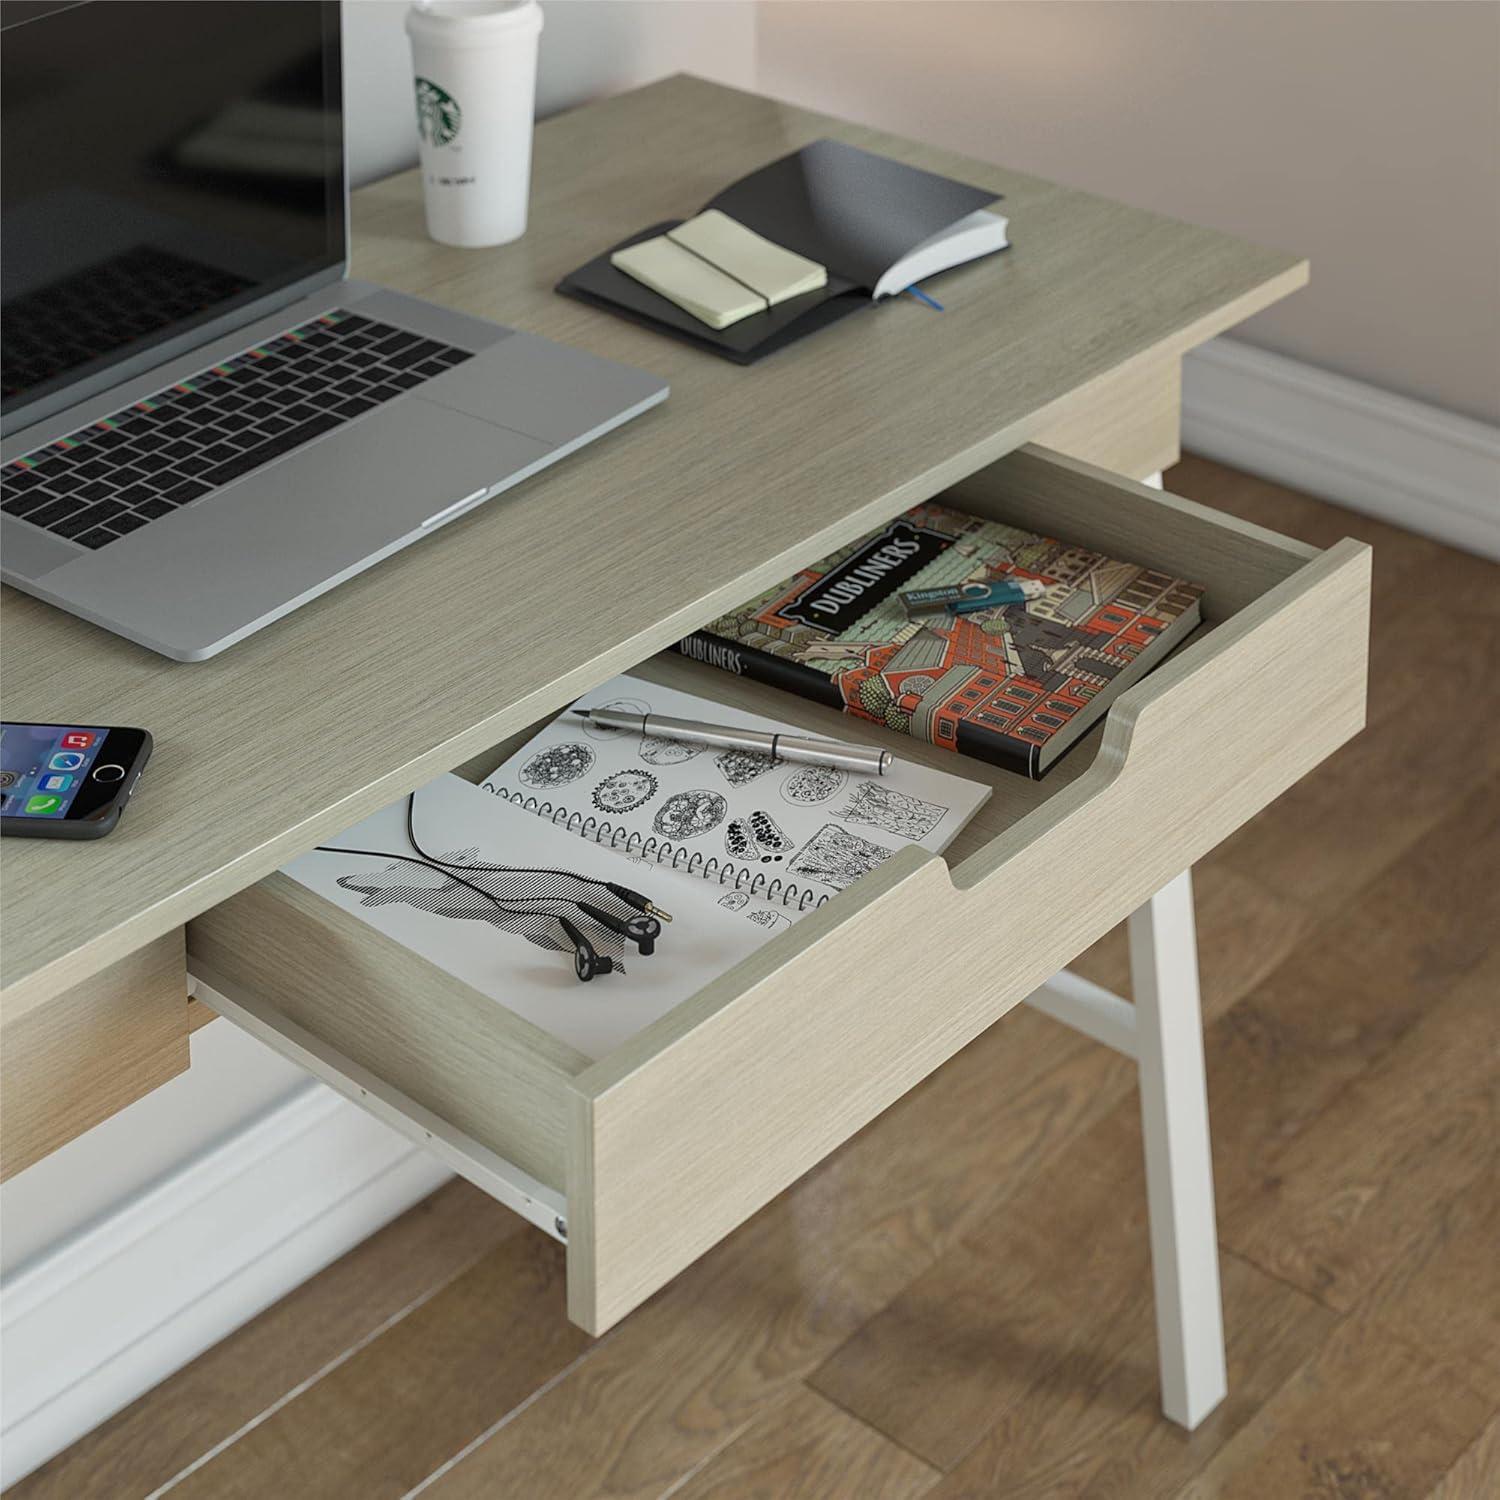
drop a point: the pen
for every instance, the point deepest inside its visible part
(865, 759)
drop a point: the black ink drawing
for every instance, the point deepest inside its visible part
(656, 751)
(625, 790)
(895, 812)
(685, 815)
(441, 895)
(765, 918)
(734, 900)
(740, 767)
(813, 784)
(557, 765)
(624, 706)
(836, 857)
(758, 837)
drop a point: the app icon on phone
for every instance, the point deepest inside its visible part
(65, 760)
(54, 783)
(41, 802)
(77, 739)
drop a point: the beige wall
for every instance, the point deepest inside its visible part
(1366, 136)
(589, 48)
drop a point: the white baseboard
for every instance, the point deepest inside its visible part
(1414, 465)
(93, 1324)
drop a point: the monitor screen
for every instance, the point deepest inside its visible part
(161, 164)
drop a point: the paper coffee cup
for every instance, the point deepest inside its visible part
(475, 65)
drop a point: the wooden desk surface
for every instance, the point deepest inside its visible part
(505, 615)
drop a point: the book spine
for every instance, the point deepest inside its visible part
(637, 845)
(761, 666)
(1000, 750)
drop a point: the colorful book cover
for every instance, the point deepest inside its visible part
(1014, 685)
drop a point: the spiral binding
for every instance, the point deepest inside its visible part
(663, 852)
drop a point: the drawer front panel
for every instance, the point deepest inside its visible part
(393, 1014)
(699, 1121)
(75, 1061)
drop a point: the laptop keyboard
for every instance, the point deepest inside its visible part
(147, 460)
(93, 312)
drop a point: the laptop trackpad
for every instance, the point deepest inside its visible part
(309, 518)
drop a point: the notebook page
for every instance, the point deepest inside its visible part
(778, 831)
(457, 821)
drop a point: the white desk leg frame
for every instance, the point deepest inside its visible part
(1163, 1031)
(1179, 1160)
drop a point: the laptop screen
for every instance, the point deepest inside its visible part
(161, 165)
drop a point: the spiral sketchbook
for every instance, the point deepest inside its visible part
(434, 912)
(771, 833)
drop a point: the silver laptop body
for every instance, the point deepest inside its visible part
(198, 579)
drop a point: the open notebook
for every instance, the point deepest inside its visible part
(776, 834)
(721, 272)
(874, 224)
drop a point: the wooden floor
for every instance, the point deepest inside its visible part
(958, 1302)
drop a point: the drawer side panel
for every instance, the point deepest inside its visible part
(439, 1041)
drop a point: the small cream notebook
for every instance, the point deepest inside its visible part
(719, 271)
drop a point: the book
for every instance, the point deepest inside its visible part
(773, 836)
(1015, 685)
(977, 234)
(507, 959)
(875, 225)
(719, 271)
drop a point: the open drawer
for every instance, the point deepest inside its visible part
(643, 1160)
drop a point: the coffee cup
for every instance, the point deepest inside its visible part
(475, 77)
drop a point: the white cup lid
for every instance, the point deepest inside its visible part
(460, 22)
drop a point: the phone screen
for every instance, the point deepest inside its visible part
(43, 766)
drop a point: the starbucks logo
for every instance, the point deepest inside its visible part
(438, 116)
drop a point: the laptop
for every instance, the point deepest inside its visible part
(206, 421)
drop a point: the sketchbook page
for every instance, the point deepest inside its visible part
(810, 827)
(980, 234)
(853, 211)
(435, 916)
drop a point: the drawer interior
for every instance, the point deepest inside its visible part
(1236, 562)
(664, 1145)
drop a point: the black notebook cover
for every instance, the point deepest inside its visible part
(853, 212)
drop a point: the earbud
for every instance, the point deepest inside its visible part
(586, 962)
(643, 931)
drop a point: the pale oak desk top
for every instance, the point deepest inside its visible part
(740, 477)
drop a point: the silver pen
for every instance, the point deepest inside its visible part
(864, 759)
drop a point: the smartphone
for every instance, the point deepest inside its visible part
(67, 781)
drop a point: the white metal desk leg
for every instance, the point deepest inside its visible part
(1179, 1161)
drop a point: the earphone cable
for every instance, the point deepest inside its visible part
(444, 870)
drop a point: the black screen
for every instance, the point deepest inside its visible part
(161, 164)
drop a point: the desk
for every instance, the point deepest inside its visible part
(433, 658)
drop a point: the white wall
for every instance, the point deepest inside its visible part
(589, 48)
(1364, 136)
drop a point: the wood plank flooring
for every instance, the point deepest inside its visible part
(957, 1304)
